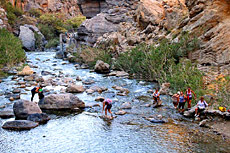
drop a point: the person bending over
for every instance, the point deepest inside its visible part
(34, 91)
(107, 105)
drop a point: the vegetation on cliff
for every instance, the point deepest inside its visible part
(51, 25)
(11, 51)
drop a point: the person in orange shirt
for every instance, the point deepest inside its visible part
(34, 91)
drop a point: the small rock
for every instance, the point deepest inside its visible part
(101, 67)
(26, 71)
(23, 86)
(16, 91)
(19, 125)
(150, 91)
(98, 98)
(165, 89)
(121, 112)
(75, 88)
(6, 114)
(89, 91)
(11, 98)
(21, 82)
(2, 106)
(0, 81)
(78, 78)
(126, 105)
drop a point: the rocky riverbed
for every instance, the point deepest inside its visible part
(85, 130)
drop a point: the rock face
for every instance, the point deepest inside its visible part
(165, 89)
(61, 101)
(69, 8)
(27, 37)
(19, 125)
(75, 88)
(23, 108)
(101, 67)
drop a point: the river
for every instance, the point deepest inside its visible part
(86, 132)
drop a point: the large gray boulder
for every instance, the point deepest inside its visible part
(101, 67)
(27, 37)
(23, 108)
(61, 101)
(19, 125)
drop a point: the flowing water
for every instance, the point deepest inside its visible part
(86, 132)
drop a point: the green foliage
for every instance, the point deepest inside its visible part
(12, 12)
(75, 22)
(38, 42)
(52, 43)
(11, 51)
(90, 55)
(34, 13)
(49, 32)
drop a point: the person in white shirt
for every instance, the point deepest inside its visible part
(201, 105)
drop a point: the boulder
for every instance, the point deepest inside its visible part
(101, 67)
(75, 88)
(204, 123)
(19, 125)
(165, 89)
(16, 91)
(26, 71)
(89, 91)
(23, 108)
(61, 101)
(6, 113)
(40, 118)
(126, 105)
(190, 113)
(118, 73)
(27, 37)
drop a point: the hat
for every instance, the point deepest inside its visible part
(178, 92)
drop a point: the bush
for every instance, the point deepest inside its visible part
(52, 43)
(75, 22)
(34, 13)
(48, 31)
(11, 51)
(38, 42)
(12, 12)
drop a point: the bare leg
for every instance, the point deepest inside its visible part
(196, 111)
(106, 112)
(110, 112)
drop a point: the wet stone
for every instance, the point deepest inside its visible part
(6, 113)
(11, 98)
(20, 125)
(16, 91)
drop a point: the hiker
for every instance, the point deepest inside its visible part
(108, 104)
(40, 95)
(34, 91)
(201, 105)
(175, 99)
(182, 100)
(156, 96)
(189, 93)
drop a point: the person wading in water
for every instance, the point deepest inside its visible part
(189, 93)
(108, 104)
(34, 91)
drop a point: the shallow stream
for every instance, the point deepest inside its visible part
(87, 132)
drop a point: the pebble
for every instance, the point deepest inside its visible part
(23, 86)
(0, 81)
(11, 98)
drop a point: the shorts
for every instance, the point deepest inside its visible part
(108, 106)
(181, 105)
(189, 98)
(200, 110)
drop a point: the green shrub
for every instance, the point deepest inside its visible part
(12, 12)
(34, 13)
(11, 51)
(75, 22)
(48, 31)
(38, 42)
(52, 43)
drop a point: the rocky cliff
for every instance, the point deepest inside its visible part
(127, 23)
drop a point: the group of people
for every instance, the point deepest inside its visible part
(179, 100)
